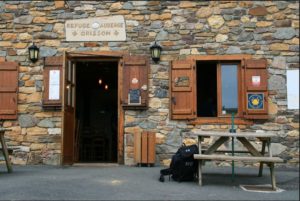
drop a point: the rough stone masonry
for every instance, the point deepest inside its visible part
(264, 29)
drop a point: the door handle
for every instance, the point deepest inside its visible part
(173, 99)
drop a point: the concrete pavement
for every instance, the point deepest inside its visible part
(137, 183)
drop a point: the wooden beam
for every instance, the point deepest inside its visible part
(216, 145)
(5, 152)
(249, 146)
(137, 147)
(273, 179)
(200, 138)
(198, 132)
(238, 158)
(216, 120)
(151, 147)
(97, 53)
(261, 165)
(227, 151)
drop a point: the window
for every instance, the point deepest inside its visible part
(215, 87)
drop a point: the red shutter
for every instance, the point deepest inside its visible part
(183, 89)
(256, 89)
(52, 63)
(135, 77)
(8, 90)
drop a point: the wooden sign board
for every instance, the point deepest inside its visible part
(52, 93)
(134, 97)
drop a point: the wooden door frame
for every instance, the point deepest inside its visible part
(100, 56)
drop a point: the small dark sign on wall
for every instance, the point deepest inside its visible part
(134, 97)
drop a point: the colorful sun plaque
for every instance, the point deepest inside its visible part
(255, 101)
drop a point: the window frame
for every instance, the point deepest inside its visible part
(239, 58)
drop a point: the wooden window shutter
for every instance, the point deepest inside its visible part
(183, 89)
(52, 64)
(256, 89)
(8, 90)
(135, 79)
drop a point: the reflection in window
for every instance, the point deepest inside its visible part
(229, 88)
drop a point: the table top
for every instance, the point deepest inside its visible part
(228, 134)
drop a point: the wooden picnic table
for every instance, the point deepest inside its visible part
(244, 138)
(4, 149)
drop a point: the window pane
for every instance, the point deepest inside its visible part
(229, 88)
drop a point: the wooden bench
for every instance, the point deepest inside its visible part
(269, 160)
(238, 158)
(256, 156)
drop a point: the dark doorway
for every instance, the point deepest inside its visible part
(96, 111)
(206, 89)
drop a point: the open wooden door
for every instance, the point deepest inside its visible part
(69, 110)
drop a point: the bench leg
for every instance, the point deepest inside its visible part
(5, 153)
(200, 172)
(261, 165)
(273, 180)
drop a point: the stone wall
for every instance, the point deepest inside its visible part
(263, 29)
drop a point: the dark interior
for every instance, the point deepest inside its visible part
(96, 111)
(207, 89)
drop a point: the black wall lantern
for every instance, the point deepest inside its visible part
(33, 53)
(155, 52)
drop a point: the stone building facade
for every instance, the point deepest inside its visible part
(263, 29)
